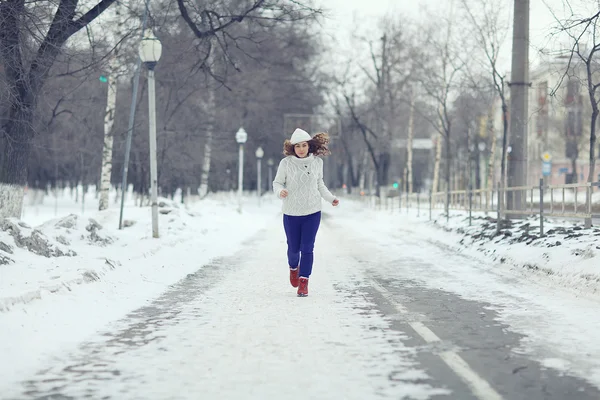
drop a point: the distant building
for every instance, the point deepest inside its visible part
(559, 123)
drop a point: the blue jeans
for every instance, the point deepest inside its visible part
(301, 232)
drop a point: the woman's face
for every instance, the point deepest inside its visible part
(301, 149)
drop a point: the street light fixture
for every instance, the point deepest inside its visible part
(259, 155)
(150, 51)
(241, 137)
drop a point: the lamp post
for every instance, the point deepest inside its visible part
(136, 83)
(150, 52)
(259, 155)
(241, 136)
(270, 162)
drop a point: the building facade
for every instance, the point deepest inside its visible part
(559, 122)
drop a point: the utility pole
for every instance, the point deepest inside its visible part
(517, 159)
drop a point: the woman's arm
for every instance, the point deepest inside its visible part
(280, 178)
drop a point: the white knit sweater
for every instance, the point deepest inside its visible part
(303, 179)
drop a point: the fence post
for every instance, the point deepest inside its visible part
(588, 197)
(407, 201)
(541, 207)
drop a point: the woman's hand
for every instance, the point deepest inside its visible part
(283, 194)
(336, 202)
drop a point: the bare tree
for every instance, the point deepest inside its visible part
(26, 74)
(214, 24)
(440, 82)
(115, 72)
(490, 27)
(584, 35)
(391, 67)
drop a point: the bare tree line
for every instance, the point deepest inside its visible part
(230, 63)
(248, 47)
(455, 78)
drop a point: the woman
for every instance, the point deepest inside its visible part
(299, 182)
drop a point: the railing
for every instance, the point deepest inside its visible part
(577, 200)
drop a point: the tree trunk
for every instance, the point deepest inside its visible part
(351, 180)
(13, 171)
(210, 124)
(436, 166)
(109, 120)
(409, 144)
(574, 168)
(502, 165)
(592, 173)
(491, 161)
(382, 172)
(362, 179)
(448, 168)
(477, 166)
(25, 83)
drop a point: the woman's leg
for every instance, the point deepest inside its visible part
(292, 226)
(310, 226)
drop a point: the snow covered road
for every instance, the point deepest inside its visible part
(391, 314)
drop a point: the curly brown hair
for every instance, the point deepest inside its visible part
(316, 146)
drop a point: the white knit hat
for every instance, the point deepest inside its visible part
(300, 135)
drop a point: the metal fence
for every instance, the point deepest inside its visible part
(572, 201)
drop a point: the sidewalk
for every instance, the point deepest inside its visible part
(48, 304)
(235, 329)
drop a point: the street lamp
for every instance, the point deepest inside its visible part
(259, 155)
(241, 136)
(150, 51)
(270, 163)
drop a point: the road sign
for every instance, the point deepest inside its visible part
(546, 157)
(546, 168)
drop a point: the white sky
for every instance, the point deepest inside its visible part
(340, 23)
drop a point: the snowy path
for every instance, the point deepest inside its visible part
(375, 325)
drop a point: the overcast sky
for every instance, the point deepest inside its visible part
(342, 17)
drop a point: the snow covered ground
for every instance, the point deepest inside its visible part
(549, 293)
(207, 308)
(567, 256)
(47, 304)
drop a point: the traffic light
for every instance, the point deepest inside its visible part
(395, 185)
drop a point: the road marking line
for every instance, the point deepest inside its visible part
(479, 386)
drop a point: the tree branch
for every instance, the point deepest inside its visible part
(62, 27)
(212, 31)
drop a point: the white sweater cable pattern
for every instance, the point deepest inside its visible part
(303, 179)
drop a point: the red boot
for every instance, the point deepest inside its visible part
(303, 287)
(294, 276)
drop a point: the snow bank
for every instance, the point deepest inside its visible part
(567, 256)
(74, 250)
